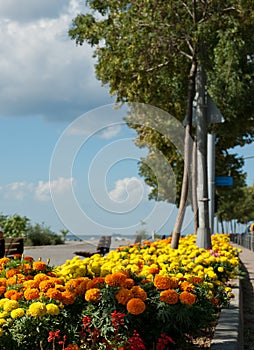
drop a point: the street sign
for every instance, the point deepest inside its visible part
(223, 180)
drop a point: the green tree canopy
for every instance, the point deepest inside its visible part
(148, 52)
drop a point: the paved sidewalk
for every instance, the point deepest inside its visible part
(232, 326)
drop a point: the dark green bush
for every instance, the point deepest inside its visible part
(42, 235)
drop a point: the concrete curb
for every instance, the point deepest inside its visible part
(229, 331)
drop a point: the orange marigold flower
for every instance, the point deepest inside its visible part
(164, 282)
(31, 284)
(136, 306)
(41, 277)
(4, 261)
(53, 293)
(2, 282)
(116, 279)
(138, 292)
(28, 258)
(123, 296)
(77, 286)
(12, 272)
(39, 265)
(31, 293)
(72, 347)
(169, 296)
(154, 270)
(196, 280)
(187, 286)
(67, 298)
(96, 282)
(27, 267)
(57, 280)
(215, 301)
(188, 298)
(45, 285)
(2, 290)
(17, 256)
(129, 283)
(13, 294)
(93, 294)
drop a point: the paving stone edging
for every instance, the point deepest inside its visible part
(229, 331)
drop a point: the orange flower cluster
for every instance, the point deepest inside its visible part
(20, 283)
(188, 298)
(136, 306)
(169, 296)
(164, 282)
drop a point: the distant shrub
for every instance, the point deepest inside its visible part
(42, 235)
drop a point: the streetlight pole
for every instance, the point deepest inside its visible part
(203, 232)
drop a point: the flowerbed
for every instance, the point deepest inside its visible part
(143, 296)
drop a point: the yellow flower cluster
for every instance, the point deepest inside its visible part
(149, 258)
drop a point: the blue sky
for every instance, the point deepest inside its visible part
(47, 87)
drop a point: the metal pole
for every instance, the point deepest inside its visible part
(203, 232)
(211, 177)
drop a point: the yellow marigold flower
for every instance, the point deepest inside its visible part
(37, 309)
(10, 305)
(3, 301)
(123, 296)
(17, 313)
(92, 294)
(1, 331)
(220, 269)
(52, 309)
(169, 296)
(39, 265)
(116, 279)
(136, 306)
(138, 292)
(3, 321)
(3, 314)
(31, 293)
(188, 298)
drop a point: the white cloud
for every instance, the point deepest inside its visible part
(19, 191)
(42, 71)
(59, 186)
(128, 189)
(16, 190)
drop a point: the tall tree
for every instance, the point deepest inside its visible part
(148, 52)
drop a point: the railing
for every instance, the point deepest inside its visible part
(245, 239)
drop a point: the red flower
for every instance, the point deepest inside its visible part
(53, 335)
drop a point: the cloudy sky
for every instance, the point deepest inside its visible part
(67, 159)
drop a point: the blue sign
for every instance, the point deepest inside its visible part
(223, 181)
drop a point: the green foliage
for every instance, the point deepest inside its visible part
(43, 235)
(38, 234)
(145, 50)
(14, 225)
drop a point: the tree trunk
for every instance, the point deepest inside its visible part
(187, 148)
